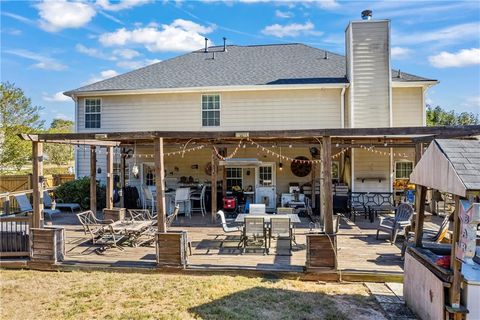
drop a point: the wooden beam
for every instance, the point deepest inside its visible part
(37, 180)
(314, 184)
(93, 178)
(122, 177)
(457, 131)
(326, 183)
(109, 197)
(214, 185)
(418, 156)
(455, 264)
(160, 184)
(420, 217)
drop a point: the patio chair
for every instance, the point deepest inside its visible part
(284, 210)
(47, 202)
(148, 236)
(357, 205)
(393, 226)
(92, 225)
(257, 208)
(141, 214)
(254, 231)
(148, 199)
(200, 197)
(280, 228)
(182, 197)
(225, 227)
(383, 202)
(25, 206)
(370, 200)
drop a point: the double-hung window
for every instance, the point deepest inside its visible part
(93, 113)
(403, 169)
(234, 178)
(210, 110)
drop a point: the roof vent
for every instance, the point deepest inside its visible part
(399, 74)
(366, 14)
(206, 45)
(224, 44)
(326, 55)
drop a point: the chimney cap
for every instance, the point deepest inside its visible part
(366, 14)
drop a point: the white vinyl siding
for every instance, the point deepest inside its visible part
(407, 107)
(373, 168)
(248, 110)
(370, 78)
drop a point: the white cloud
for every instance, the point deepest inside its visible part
(102, 76)
(283, 14)
(57, 97)
(462, 58)
(441, 36)
(399, 53)
(180, 35)
(328, 4)
(43, 62)
(62, 116)
(122, 5)
(60, 14)
(291, 30)
(136, 64)
(126, 53)
(93, 52)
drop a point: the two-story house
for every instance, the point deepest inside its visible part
(263, 87)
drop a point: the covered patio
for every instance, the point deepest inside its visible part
(354, 251)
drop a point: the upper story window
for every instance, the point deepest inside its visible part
(92, 113)
(403, 169)
(210, 110)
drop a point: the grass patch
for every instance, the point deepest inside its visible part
(103, 295)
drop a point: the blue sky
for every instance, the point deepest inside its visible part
(51, 47)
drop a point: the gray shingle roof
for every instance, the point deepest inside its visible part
(240, 65)
(465, 158)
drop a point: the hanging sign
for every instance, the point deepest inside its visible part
(469, 216)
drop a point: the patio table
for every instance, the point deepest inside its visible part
(132, 229)
(293, 217)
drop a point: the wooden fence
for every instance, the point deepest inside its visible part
(15, 184)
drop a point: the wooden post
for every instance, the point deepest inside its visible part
(214, 186)
(37, 180)
(420, 217)
(418, 156)
(160, 184)
(122, 178)
(314, 184)
(109, 204)
(455, 264)
(326, 183)
(93, 179)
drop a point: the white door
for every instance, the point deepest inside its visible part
(265, 190)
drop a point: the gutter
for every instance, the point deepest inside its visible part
(342, 108)
(208, 89)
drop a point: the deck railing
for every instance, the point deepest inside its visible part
(15, 236)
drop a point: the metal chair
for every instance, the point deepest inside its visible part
(357, 204)
(253, 231)
(284, 210)
(97, 229)
(280, 228)
(225, 227)
(148, 199)
(402, 220)
(200, 197)
(182, 197)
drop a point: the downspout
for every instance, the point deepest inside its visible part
(75, 129)
(342, 108)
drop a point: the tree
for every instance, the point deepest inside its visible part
(59, 154)
(17, 115)
(440, 117)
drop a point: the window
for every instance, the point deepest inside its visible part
(403, 169)
(265, 176)
(210, 110)
(234, 178)
(335, 170)
(148, 174)
(92, 113)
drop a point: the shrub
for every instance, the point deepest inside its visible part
(78, 191)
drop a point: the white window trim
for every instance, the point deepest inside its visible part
(85, 111)
(274, 173)
(219, 109)
(241, 177)
(402, 161)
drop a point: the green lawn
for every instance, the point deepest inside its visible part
(104, 295)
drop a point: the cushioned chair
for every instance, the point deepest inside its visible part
(25, 206)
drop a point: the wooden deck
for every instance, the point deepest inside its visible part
(359, 251)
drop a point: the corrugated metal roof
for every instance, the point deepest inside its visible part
(240, 65)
